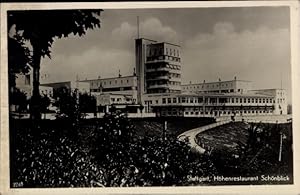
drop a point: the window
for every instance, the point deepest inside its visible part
(156, 101)
(245, 100)
(248, 100)
(232, 100)
(191, 100)
(174, 100)
(256, 100)
(164, 100)
(252, 100)
(200, 100)
(169, 100)
(183, 99)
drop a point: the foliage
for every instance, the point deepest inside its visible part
(87, 103)
(45, 103)
(19, 59)
(52, 159)
(40, 28)
(129, 160)
(259, 155)
(19, 98)
(68, 106)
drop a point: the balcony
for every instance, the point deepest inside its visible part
(158, 78)
(163, 61)
(164, 69)
(157, 86)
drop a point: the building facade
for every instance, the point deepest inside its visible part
(158, 66)
(82, 87)
(232, 86)
(155, 87)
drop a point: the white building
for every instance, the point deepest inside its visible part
(232, 86)
(82, 87)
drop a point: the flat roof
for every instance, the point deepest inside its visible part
(98, 79)
(209, 94)
(165, 43)
(226, 94)
(55, 83)
(266, 89)
(146, 39)
(215, 82)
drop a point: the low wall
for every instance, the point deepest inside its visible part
(259, 119)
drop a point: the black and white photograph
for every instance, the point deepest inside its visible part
(149, 97)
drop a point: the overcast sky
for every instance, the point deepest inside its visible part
(252, 43)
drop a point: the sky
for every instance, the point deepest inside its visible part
(251, 43)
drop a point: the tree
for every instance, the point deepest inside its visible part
(87, 103)
(130, 160)
(41, 27)
(68, 105)
(18, 98)
(19, 59)
(45, 103)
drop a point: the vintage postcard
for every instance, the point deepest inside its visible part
(156, 98)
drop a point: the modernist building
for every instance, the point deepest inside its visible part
(68, 85)
(232, 86)
(158, 66)
(119, 92)
(218, 104)
(155, 87)
(160, 91)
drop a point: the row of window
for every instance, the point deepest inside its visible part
(230, 112)
(163, 65)
(121, 100)
(162, 82)
(178, 112)
(159, 51)
(162, 91)
(201, 86)
(214, 100)
(114, 89)
(116, 81)
(163, 57)
(153, 75)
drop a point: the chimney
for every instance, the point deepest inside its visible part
(120, 73)
(134, 73)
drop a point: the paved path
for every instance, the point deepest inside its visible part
(190, 135)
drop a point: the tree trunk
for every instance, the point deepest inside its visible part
(35, 112)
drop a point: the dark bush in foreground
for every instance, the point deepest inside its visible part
(109, 154)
